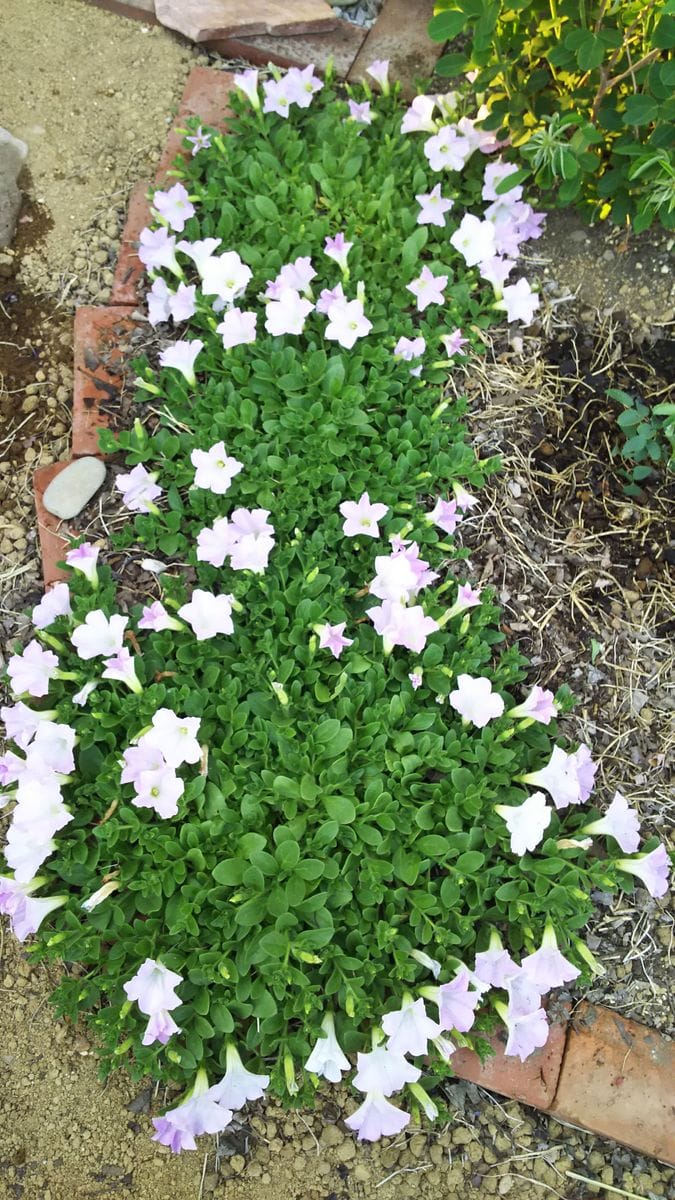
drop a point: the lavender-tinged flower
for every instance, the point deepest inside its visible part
(277, 97)
(652, 868)
(160, 790)
(395, 578)
(83, 558)
(331, 638)
(427, 288)
(447, 150)
(155, 617)
(199, 1113)
(122, 667)
(175, 737)
(377, 1118)
(159, 1028)
(445, 515)
(328, 296)
(419, 117)
(409, 348)
(568, 778)
(409, 1029)
(247, 83)
(158, 302)
(157, 249)
(474, 240)
(55, 603)
(254, 539)
(475, 700)
(463, 499)
(174, 207)
(526, 822)
(539, 706)
(287, 314)
(338, 249)
(238, 1086)
(416, 679)
(225, 276)
(32, 671)
(360, 113)
(237, 328)
(467, 597)
(208, 615)
(183, 304)
(302, 84)
(547, 968)
(525, 1020)
(297, 275)
(200, 251)
(153, 987)
(621, 822)
(25, 911)
(214, 544)
(456, 1004)
(519, 302)
(398, 625)
(181, 356)
(25, 853)
(494, 967)
(496, 271)
(80, 698)
(381, 1070)
(99, 635)
(347, 322)
(199, 140)
(496, 172)
(425, 960)
(453, 342)
(52, 749)
(21, 722)
(215, 470)
(137, 759)
(139, 490)
(327, 1058)
(361, 517)
(433, 207)
(379, 71)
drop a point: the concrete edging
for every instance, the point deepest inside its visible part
(599, 1071)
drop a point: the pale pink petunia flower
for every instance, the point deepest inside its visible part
(453, 342)
(456, 1004)
(379, 71)
(157, 249)
(519, 302)
(361, 517)
(25, 855)
(338, 249)
(331, 638)
(277, 98)
(158, 302)
(399, 625)
(652, 868)
(153, 987)
(181, 356)
(21, 722)
(445, 515)
(99, 635)
(52, 749)
(297, 275)
(547, 968)
(174, 736)
(447, 150)
(493, 967)
(26, 912)
(428, 288)
(238, 1086)
(409, 1029)
(525, 1020)
(621, 822)
(160, 1028)
(174, 207)
(433, 207)
(32, 671)
(395, 578)
(474, 240)
(122, 667)
(155, 617)
(360, 113)
(409, 348)
(55, 603)
(415, 678)
(347, 322)
(302, 84)
(254, 539)
(199, 140)
(328, 296)
(381, 1070)
(496, 271)
(200, 251)
(83, 558)
(159, 789)
(215, 469)
(225, 276)
(419, 117)
(183, 304)
(568, 778)
(467, 597)
(247, 83)
(463, 499)
(377, 1118)
(215, 543)
(140, 758)
(539, 706)
(496, 172)
(237, 328)
(327, 1057)
(179, 1127)
(475, 700)
(207, 614)
(139, 489)
(526, 822)
(287, 314)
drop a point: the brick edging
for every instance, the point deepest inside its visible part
(599, 1070)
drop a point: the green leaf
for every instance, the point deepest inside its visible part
(470, 862)
(229, 872)
(340, 809)
(266, 207)
(433, 845)
(446, 26)
(412, 247)
(451, 65)
(287, 855)
(640, 110)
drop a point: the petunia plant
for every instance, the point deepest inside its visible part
(293, 804)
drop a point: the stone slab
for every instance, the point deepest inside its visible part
(72, 489)
(53, 535)
(341, 44)
(98, 354)
(400, 35)
(201, 20)
(618, 1080)
(533, 1081)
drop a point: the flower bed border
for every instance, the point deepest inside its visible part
(598, 1071)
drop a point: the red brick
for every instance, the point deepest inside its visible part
(618, 1080)
(129, 269)
(52, 531)
(341, 44)
(205, 96)
(400, 35)
(533, 1081)
(98, 354)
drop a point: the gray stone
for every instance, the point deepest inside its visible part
(74, 487)
(12, 156)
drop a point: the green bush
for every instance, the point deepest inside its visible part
(583, 89)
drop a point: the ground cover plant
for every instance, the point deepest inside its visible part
(585, 91)
(300, 805)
